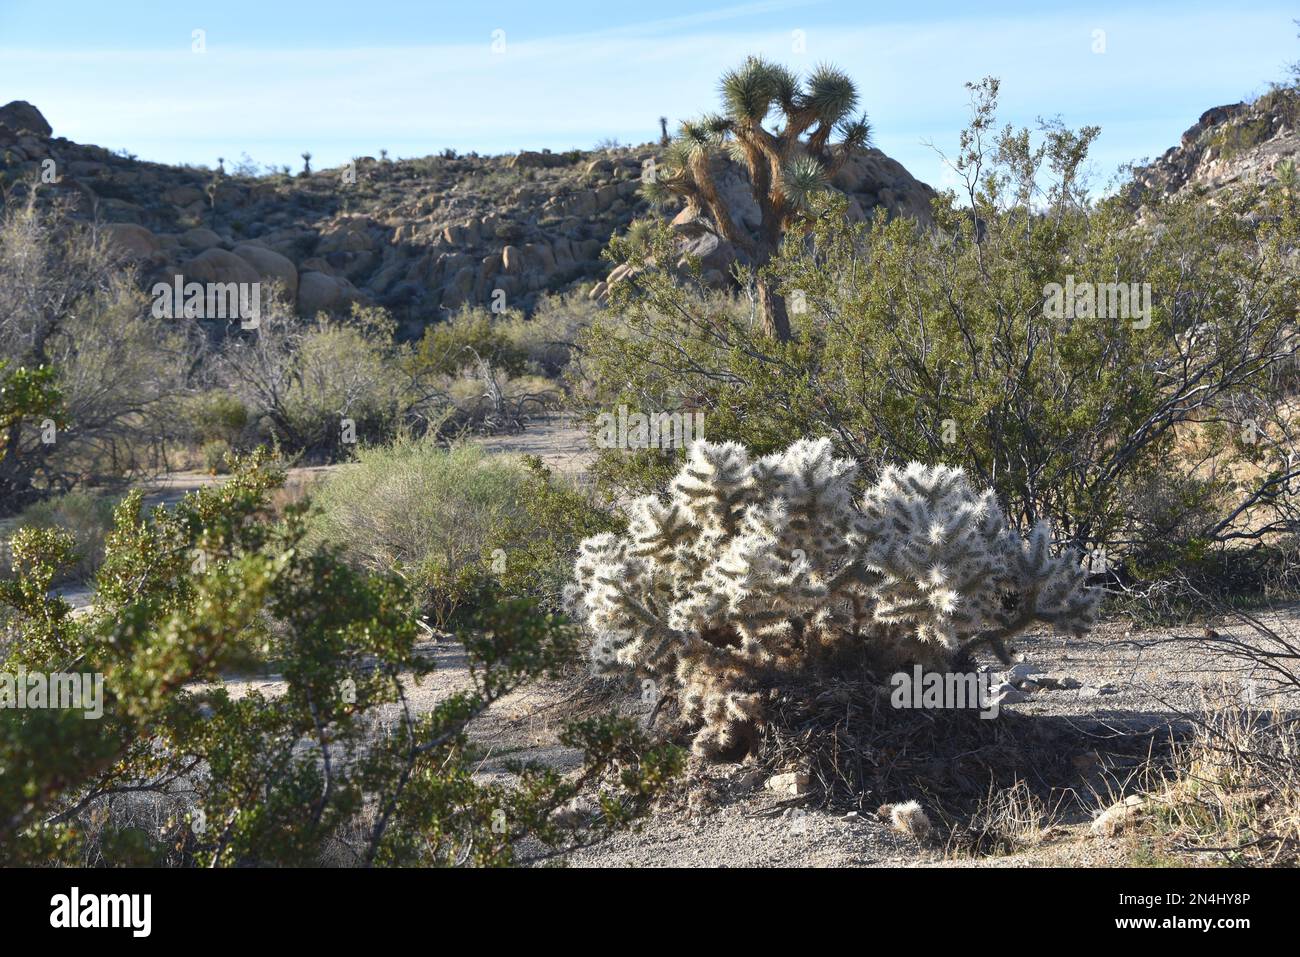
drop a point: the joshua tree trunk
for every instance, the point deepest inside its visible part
(776, 321)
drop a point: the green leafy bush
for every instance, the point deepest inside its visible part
(547, 338)
(448, 520)
(86, 517)
(317, 387)
(216, 456)
(188, 595)
(463, 341)
(78, 347)
(218, 417)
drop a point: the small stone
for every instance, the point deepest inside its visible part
(1119, 817)
(792, 783)
(1007, 693)
(1053, 683)
(1019, 672)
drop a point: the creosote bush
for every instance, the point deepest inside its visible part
(753, 569)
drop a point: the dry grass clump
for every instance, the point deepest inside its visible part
(1234, 793)
(1009, 821)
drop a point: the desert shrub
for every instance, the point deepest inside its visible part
(944, 345)
(70, 310)
(28, 396)
(1228, 794)
(448, 520)
(342, 375)
(318, 387)
(560, 515)
(217, 417)
(477, 369)
(486, 401)
(86, 517)
(547, 339)
(757, 569)
(215, 455)
(188, 595)
(467, 339)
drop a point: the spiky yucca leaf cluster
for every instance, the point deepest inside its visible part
(754, 567)
(787, 163)
(800, 148)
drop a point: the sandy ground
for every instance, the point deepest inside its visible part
(1116, 681)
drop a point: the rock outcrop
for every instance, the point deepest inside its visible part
(421, 237)
(1239, 146)
(871, 180)
(21, 117)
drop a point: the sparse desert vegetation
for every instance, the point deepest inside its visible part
(984, 552)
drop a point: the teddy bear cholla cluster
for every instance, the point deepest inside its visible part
(752, 567)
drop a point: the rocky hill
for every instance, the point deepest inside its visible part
(421, 237)
(1240, 146)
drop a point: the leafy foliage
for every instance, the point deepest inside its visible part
(463, 341)
(451, 520)
(77, 346)
(188, 596)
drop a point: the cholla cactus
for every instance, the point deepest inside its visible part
(753, 568)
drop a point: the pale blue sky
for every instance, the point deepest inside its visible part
(347, 77)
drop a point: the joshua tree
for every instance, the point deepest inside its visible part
(663, 131)
(214, 184)
(306, 163)
(786, 164)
